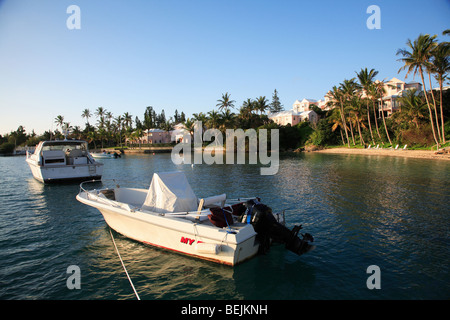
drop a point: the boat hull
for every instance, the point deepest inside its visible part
(65, 173)
(198, 239)
(103, 156)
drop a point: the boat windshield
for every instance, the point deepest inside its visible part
(65, 146)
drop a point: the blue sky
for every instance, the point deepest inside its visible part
(184, 54)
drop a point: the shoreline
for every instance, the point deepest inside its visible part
(416, 154)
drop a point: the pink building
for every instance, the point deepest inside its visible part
(394, 89)
(291, 117)
(153, 136)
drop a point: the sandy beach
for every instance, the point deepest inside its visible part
(418, 154)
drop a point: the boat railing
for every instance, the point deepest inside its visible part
(108, 183)
(99, 194)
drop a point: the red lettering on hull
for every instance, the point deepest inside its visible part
(187, 241)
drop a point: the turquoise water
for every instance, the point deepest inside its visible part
(361, 210)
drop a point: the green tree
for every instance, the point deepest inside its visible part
(335, 119)
(245, 113)
(189, 125)
(227, 120)
(213, 119)
(349, 89)
(413, 107)
(372, 95)
(261, 104)
(148, 120)
(441, 67)
(59, 120)
(100, 113)
(127, 120)
(379, 89)
(86, 114)
(225, 103)
(275, 105)
(366, 79)
(336, 95)
(416, 60)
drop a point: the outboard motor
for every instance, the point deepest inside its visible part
(269, 229)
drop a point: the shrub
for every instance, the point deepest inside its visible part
(7, 148)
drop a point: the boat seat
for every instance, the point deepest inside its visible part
(54, 157)
(215, 201)
(75, 153)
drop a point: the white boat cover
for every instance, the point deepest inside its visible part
(170, 192)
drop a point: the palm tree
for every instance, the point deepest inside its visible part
(366, 79)
(213, 119)
(379, 89)
(413, 106)
(349, 90)
(76, 132)
(118, 122)
(102, 134)
(245, 112)
(137, 135)
(416, 60)
(441, 67)
(225, 103)
(200, 117)
(59, 120)
(227, 120)
(336, 119)
(261, 104)
(127, 120)
(357, 110)
(109, 117)
(100, 112)
(91, 136)
(336, 97)
(189, 125)
(86, 114)
(372, 92)
(66, 129)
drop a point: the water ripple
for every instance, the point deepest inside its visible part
(361, 210)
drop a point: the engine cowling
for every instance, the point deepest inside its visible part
(269, 229)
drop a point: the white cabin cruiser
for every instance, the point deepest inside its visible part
(170, 216)
(63, 160)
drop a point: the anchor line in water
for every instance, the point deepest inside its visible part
(123, 265)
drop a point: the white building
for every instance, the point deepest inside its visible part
(300, 112)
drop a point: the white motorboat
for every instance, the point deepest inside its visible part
(170, 216)
(105, 155)
(63, 160)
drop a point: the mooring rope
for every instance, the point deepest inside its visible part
(123, 265)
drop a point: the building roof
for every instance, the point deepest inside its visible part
(396, 80)
(309, 100)
(289, 113)
(156, 130)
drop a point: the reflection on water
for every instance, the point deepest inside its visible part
(391, 212)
